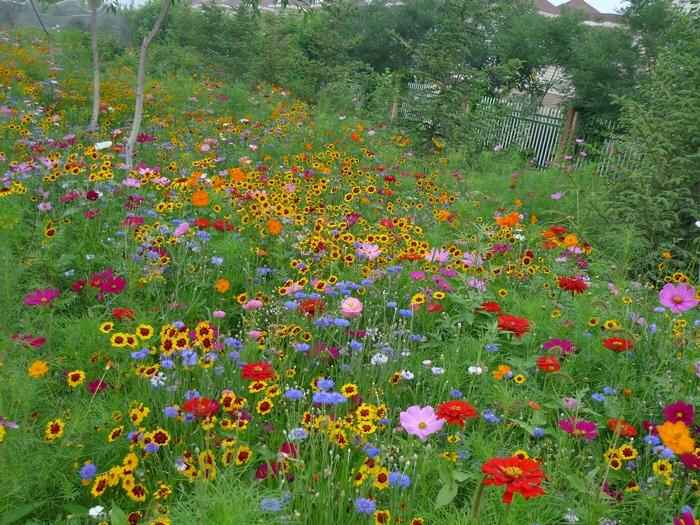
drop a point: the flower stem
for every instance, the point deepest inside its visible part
(476, 504)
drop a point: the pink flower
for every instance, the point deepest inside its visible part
(219, 314)
(255, 334)
(253, 304)
(562, 345)
(98, 385)
(368, 251)
(41, 297)
(579, 428)
(351, 307)
(417, 275)
(182, 229)
(680, 411)
(678, 298)
(420, 421)
(438, 256)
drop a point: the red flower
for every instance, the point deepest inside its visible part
(516, 325)
(575, 285)
(123, 313)
(456, 412)
(78, 285)
(622, 427)
(260, 371)
(311, 307)
(548, 363)
(491, 307)
(98, 385)
(435, 308)
(617, 344)
(516, 474)
(201, 407)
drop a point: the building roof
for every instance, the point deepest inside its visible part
(580, 5)
(545, 6)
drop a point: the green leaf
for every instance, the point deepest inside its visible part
(20, 512)
(117, 516)
(578, 484)
(446, 495)
(460, 476)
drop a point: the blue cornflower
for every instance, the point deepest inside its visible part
(392, 304)
(609, 391)
(234, 355)
(192, 394)
(291, 305)
(232, 342)
(490, 416)
(356, 345)
(189, 358)
(394, 269)
(270, 505)
(365, 506)
(203, 236)
(151, 448)
(492, 347)
(217, 261)
(456, 394)
(301, 347)
(405, 313)
(325, 384)
(652, 440)
(140, 354)
(294, 394)
(596, 396)
(370, 450)
(537, 432)
(88, 471)
(170, 411)
(341, 323)
(167, 363)
(297, 434)
(399, 479)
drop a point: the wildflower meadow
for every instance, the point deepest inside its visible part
(282, 313)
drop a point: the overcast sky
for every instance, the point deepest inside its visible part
(604, 6)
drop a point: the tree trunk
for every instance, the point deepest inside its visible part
(95, 69)
(141, 83)
(41, 22)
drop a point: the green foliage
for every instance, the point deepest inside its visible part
(663, 123)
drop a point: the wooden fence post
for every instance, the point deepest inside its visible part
(567, 133)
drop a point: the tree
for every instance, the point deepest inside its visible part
(94, 5)
(141, 82)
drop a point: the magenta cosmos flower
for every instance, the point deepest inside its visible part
(420, 421)
(678, 298)
(579, 428)
(564, 346)
(41, 297)
(680, 411)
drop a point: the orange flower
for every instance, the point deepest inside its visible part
(676, 436)
(200, 198)
(274, 227)
(237, 174)
(508, 220)
(222, 285)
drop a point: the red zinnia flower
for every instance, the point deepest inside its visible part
(456, 412)
(516, 325)
(311, 307)
(622, 427)
(516, 474)
(491, 307)
(201, 407)
(123, 313)
(260, 371)
(548, 363)
(617, 344)
(575, 285)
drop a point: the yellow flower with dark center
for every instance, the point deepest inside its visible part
(75, 378)
(54, 429)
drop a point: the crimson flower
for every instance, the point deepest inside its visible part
(516, 325)
(680, 411)
(311, 307)
(123, 313)
(491, 307)
(201, 407)
(617, 344)
(456, 412)
(575, 285)
(548, 363)
(260, 371)
(622, 427)
(518, 475)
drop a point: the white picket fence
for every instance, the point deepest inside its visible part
(535, 131)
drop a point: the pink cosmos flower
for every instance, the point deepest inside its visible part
(181, 229)
(218, 314)
(438, 256)
(680, 411)
(351, 307)
(420, 421)
(368, 251)
(41, 297)
(678, 298)
(579, 428)
(562, 345)
(253, 304)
